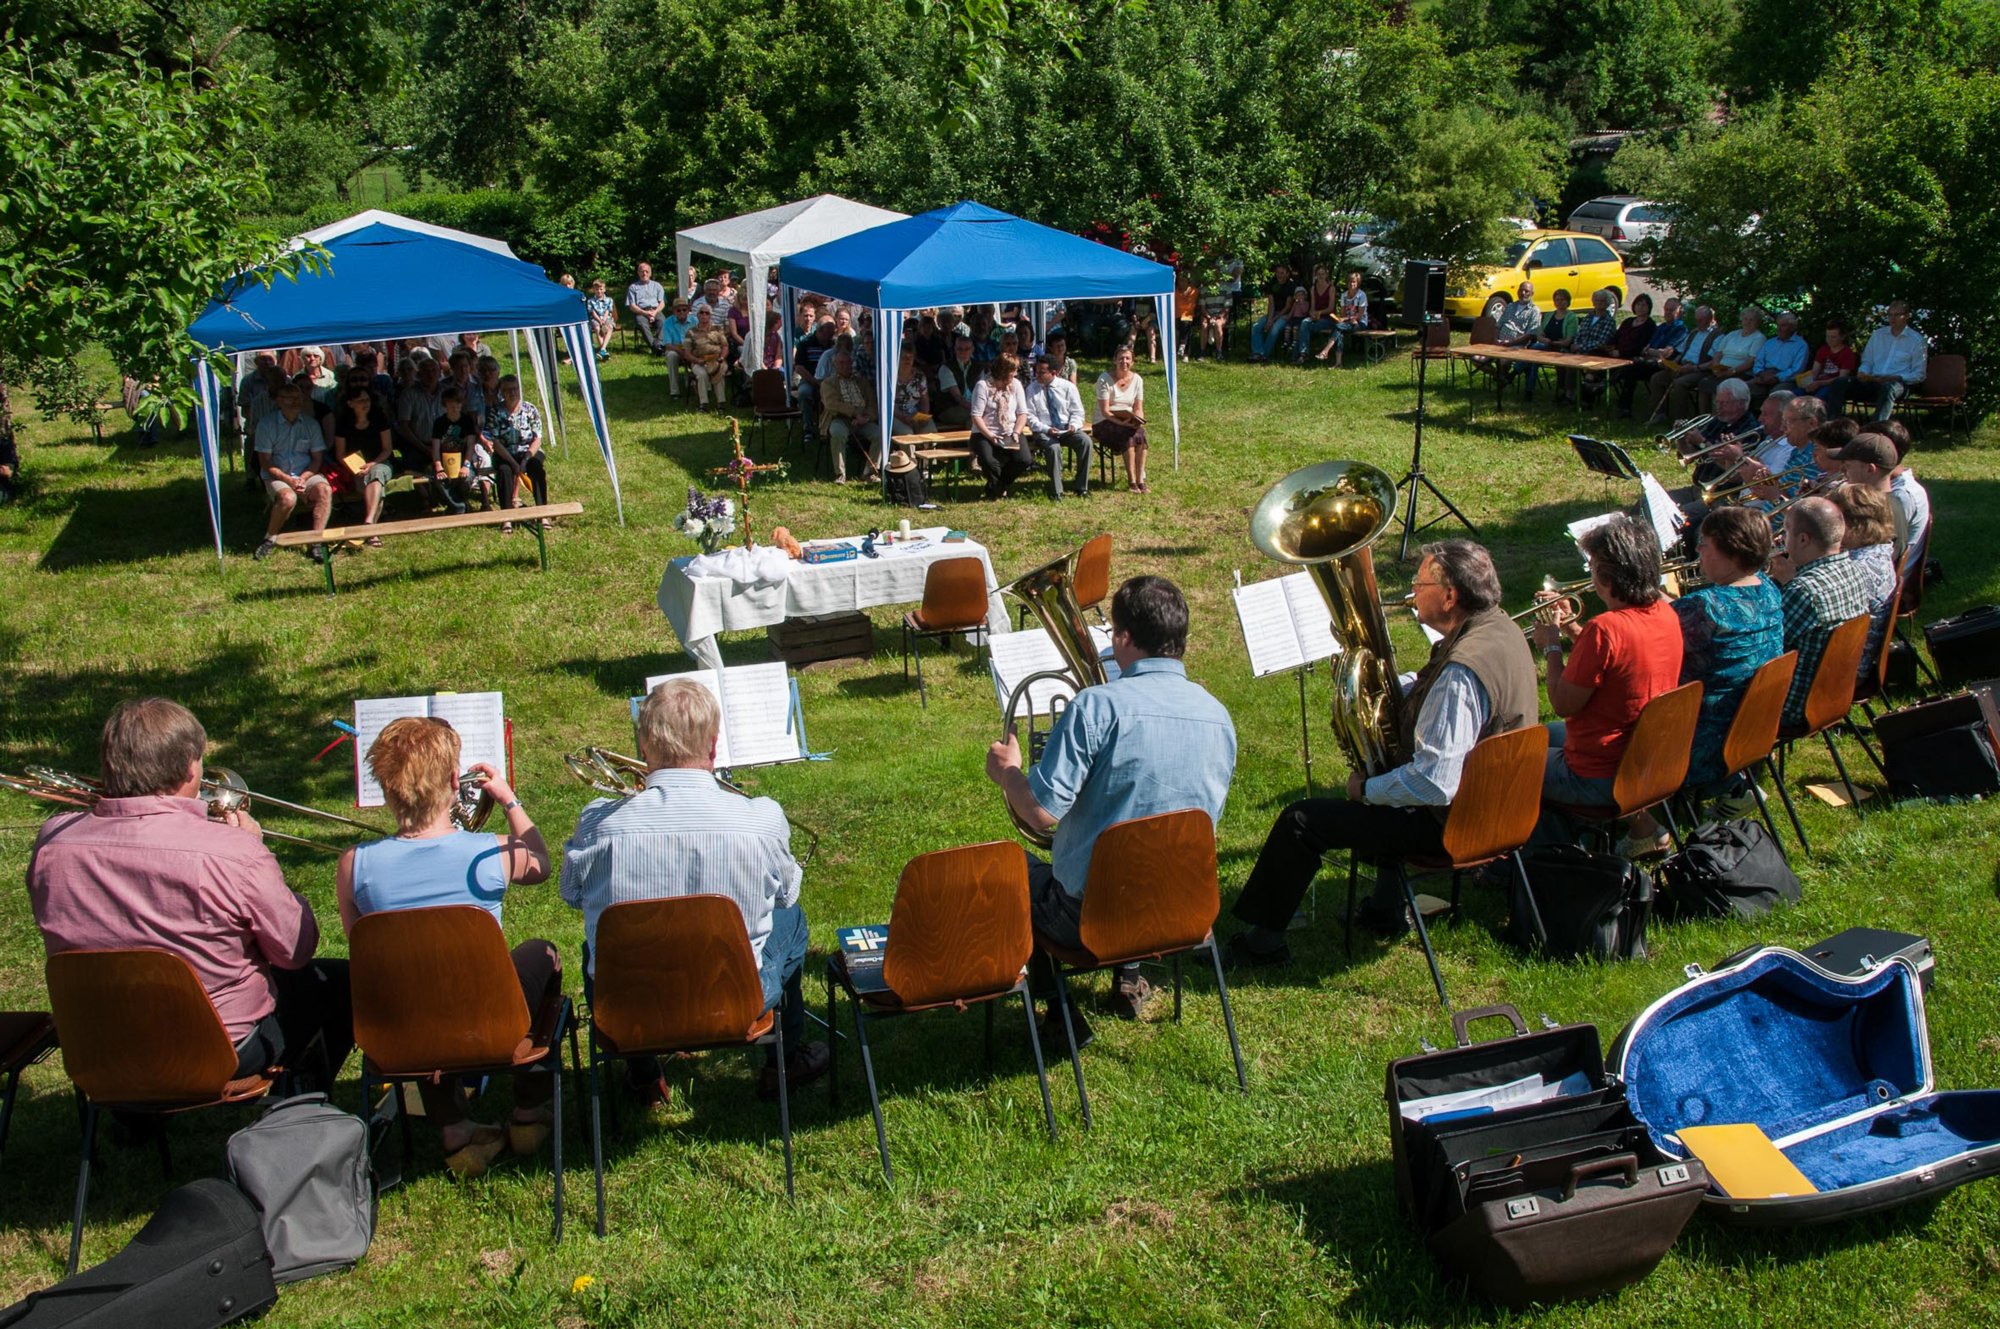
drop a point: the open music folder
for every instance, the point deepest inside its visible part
(1013, 656)
(1285, 623)
(762, 721)
(479, 717)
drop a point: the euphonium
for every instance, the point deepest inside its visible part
(1324, 518)
(1050, 591)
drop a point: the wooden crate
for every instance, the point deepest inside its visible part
(820, 638)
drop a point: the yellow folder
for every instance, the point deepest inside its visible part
(1743, 1162)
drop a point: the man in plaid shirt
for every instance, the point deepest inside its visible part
(1823, 589)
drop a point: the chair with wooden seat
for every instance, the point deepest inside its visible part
(436, 993)
(1753, 735)
(1829, 700)
(139, 1034)
(768, 401)
(1499, 799)
(1943, 389)
(959, 937)
(676, 975)
(1151, 894)
(1910, 599)
(954, 603)
(1654, 766)
(1435, 344)
(26, 1037)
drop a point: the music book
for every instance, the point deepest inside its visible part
(1661, 510)
(863, 949)
(479, 718)
(1285, 623)
(1743, 1163)
(1013, 656)
(762, 722)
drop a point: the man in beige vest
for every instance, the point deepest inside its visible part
(1480, 681)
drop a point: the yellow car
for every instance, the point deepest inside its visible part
(1569, 260)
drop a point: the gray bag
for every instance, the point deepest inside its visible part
(304, 1164)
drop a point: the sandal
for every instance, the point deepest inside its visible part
(506, 528)
(526, 1135)
(476, 1155)
(373, 542)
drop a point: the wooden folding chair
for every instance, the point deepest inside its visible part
(959, 936)
(954, 602)
(1499, 799)
(436, 993)
(676, 975)
(1753, 733)
(139, 1034)
(1434, 343)
(1943, 389)
(1910, 600)
(26, 1037)
(1829, 700)
(768, 401)
(1654, 767)
(1092, 578)
(1151, 895)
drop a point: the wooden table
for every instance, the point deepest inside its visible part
(1544, 359)
(529, 517)
(946, 445)
(1376, 343)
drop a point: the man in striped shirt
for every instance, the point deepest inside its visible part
(1823, 589)
(684, 834)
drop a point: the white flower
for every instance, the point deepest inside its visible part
(728, 507)
(693, 527)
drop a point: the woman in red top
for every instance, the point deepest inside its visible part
(1834, 364)
(1620, 660)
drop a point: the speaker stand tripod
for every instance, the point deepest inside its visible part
(1415, 478)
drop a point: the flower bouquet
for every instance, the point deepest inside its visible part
(707, 521)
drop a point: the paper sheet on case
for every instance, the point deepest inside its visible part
(756, 705)
(479, 717)
(1016, 655)
(1528, 1089)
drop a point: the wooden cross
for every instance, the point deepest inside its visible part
(741, 469)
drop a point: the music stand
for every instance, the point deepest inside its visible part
(1603, 457)
(1415, 475)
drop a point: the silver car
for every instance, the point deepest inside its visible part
(1621, 219)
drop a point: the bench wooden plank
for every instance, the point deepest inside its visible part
(927, 440)
(421, 525)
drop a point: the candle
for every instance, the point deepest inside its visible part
(905, 528)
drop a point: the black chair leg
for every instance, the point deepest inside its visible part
(989, 1040)
(785, 1097)
(1228, 1016)
(597, 1130)
(7, 1108)
(82, 1182)
(1069, 1032)
(916, 648)
(1456, 875)
(1536, 929)
(1867, 747)
(832, 1044)
(1177, 989)
(1764, 809)
(1784, 794)
(1351, 870)
(1853, 794)
(1424, 936)
(1673, 827)
(556, 1139)
(1041, 1067)
(874, 1097)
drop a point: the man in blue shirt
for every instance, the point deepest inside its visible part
(1780, 360)
(1149, 741)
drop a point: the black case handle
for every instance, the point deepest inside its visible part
(1625, 1163)
(1460, 1019)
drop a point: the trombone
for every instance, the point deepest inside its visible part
(224, 791)
(618, 776)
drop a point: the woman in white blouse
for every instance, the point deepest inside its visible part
(1000, 426)
(1118, 422)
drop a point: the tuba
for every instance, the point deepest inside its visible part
(1324, 518)
(1050, 591)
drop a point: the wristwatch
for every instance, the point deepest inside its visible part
(510, 805)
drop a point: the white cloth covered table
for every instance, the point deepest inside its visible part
(700, 607)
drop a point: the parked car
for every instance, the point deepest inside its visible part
(1364, 233)
(1621, 220)
(1552, 259)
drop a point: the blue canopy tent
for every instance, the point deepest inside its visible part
(970, 254)
(388, 277)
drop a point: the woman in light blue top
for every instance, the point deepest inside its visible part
(431, 862)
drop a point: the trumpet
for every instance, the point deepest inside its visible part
(224, 791)
(1683, 576)
(1671, 440)
(1819, 488)
(1565, 605)
(1716, 492)
(618, 776)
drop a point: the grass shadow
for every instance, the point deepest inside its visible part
(106, 525)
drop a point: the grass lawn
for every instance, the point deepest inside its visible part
(1189, 1203)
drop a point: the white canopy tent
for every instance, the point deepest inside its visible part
(759, 240)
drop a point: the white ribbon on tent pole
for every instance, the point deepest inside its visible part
(1163, 319)
(888, 355)
(786, 333)
(207, 407)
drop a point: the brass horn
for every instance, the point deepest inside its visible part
(1324, 518)
(618, 776)
(222, 789)
(1050, 591)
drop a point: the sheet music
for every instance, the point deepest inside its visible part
(1285, 623)
(479, 717)
(1016, 655)
(1666, 515)
(756, 706)
(1582, 526)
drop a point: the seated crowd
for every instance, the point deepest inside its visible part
(446, 416)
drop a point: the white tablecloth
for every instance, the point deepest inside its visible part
(700, 607)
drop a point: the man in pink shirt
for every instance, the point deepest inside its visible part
(146, 869)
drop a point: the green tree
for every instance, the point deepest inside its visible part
(119, 190)
(1466, 173)
(1784, 46)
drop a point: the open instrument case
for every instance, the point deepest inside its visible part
(1835, 1068)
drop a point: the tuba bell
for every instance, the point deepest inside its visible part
(1050, 591)
(1324, 518)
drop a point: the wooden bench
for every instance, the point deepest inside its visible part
(531, 517)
